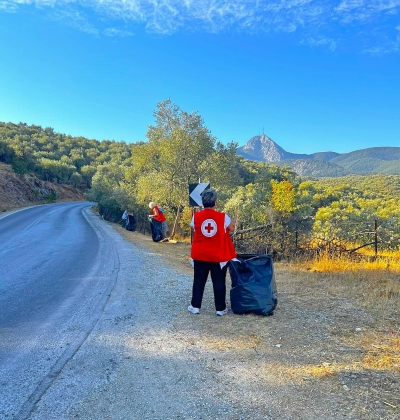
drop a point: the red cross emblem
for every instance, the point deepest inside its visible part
(209, 228)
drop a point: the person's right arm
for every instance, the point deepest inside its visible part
(231, 227)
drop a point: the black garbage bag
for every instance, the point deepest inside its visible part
(156, 230)
(253, 285)
(130, 223)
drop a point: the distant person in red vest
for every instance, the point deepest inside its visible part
(158, 214)
(212, 248)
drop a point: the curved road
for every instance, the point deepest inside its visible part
(57, 270)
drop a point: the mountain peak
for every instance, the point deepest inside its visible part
(264, 149)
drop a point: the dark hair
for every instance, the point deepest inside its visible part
(209, 197)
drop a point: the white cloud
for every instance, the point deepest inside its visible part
(321, 21)
(8, 6)
(392, 47)
(117, 32)
(363, 10)
(74, 18)
(321, 42)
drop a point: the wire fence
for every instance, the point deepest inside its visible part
(296, 239)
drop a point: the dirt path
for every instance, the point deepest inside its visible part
(321, 356)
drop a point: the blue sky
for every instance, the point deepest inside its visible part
(314, 75)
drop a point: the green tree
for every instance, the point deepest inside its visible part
(249, 206)
(222, 169)
(163, 168)
(107, 191)
(75, 179)
(6, 152)
(87, 173)
(283, 197)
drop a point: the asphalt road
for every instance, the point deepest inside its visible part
(57, 270)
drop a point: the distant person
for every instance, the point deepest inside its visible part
(158, 214)
(212, 248)
(131, 223)
(124, 217)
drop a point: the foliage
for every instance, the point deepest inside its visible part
(345, 210)
(353, 222)
(51, 197)
(184, 222)
(106, 188)
(221, 169)
(180, 151)
(293, 213)
(55, 156)
(19, 166)
(283, 197)
(269, 206)
(249, 206)
(163, 167)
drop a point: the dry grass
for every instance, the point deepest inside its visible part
(183, 239)
(374, 284)
(329, 263)
(381, 353)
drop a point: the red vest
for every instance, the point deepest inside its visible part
(160, 217)
(211, 241)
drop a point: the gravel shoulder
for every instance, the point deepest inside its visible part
(149, 358)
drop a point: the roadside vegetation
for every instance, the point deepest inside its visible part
(354, 218)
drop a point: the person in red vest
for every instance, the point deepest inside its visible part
(212, 248)
(158, 215)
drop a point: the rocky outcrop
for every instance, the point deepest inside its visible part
(264, 149)
(23, 190)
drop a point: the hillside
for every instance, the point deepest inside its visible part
(314, 167)
(23, 190)
(384, 187)
(372, 160)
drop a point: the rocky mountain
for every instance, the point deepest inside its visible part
(375, 160)
(264, 149)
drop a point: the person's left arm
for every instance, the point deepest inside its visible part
(229, 225)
